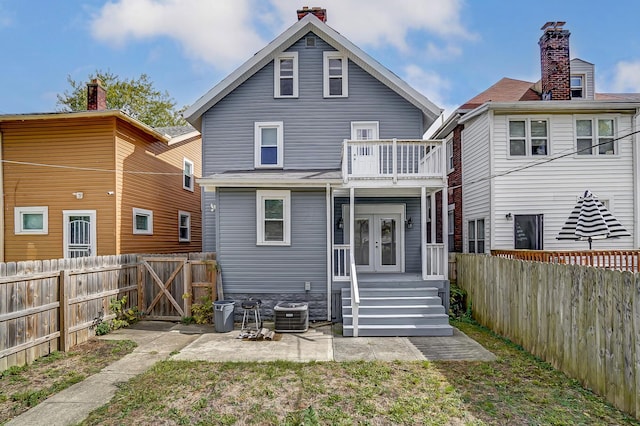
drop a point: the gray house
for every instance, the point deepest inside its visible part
(320, 188)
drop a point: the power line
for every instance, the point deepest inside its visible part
(542, 161)
(89, 169)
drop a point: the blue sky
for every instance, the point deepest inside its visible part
(448, 49)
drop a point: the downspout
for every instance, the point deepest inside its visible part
(1, 200)
(329, 204)
(635, 125)
(492, 201)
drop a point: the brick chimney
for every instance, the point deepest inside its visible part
(96, 96)
(320, 13)
(555, 62)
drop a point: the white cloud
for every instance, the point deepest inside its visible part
(217, 32)
(627, 77)
(223, 33)
(381, 22)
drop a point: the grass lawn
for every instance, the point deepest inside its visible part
(25, 387)
(515, 389)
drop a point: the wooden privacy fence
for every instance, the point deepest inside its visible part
(585, 321)
(53, 305)
(622, 260)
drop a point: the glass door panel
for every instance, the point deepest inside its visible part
(362, 242)
(388, 242)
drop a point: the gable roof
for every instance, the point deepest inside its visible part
(505, 90)
(310, 23)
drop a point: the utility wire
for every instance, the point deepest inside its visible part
(89, 169)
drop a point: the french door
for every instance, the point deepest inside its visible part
(79, 233)
(378, 240)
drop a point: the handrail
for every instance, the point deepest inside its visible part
(355, 295)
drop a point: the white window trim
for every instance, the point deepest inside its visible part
(276, 74)
(19, 211)
(261, 196)
(357, 125)
(259, 125)
(528, 137)
(475, 238)
(143, 212)
(186, 161)
(345, 74)
(188, 215)
(583, 78)
(595, 136)
(449, 151)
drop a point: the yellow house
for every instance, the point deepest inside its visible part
(97, 183)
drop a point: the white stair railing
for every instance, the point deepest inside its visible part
(355, 295)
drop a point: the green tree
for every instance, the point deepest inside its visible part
(136, 97)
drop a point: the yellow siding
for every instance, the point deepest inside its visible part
(72, 143)
(161, 193)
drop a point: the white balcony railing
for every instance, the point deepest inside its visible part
(341, 262)
(392, 159)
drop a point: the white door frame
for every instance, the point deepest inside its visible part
(374, 212)
(92, 228)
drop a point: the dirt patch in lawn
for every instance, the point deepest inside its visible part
(25, 387)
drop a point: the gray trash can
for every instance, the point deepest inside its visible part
(223, 315)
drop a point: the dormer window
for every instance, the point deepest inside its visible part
(286, 75)
(335, 75)
(577, 87)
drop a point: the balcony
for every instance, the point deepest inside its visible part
(393, 160)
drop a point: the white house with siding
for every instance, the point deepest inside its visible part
(525, 162)
(319, 188)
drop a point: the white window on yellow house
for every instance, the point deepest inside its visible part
(142, 221)
(31, 220)
(184, 227)
(187, 174)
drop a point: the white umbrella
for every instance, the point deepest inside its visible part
(590, 220)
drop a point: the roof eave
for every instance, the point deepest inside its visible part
(87, 114)
(550, 107)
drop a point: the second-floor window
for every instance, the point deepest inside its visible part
(269, 143)
(335, 75)
(595, 136)
(364, 130)
(449, 155)
(286, 75)
(187, 174)
(528, 137)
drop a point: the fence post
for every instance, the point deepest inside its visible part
(141, 307)
(188, 289)
(63, 309)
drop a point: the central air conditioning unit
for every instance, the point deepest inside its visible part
(291, 317)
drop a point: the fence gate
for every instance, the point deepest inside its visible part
(159, 278)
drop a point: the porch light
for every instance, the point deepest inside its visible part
(340, 223)
(409, 223)
(508, 216)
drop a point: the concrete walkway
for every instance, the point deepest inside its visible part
(162, 340)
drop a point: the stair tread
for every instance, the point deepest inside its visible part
(397, 315)
(390, 326)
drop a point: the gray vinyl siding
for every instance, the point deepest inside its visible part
(248, 268)
(412, 251)
(314, 127)
(209, 222)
